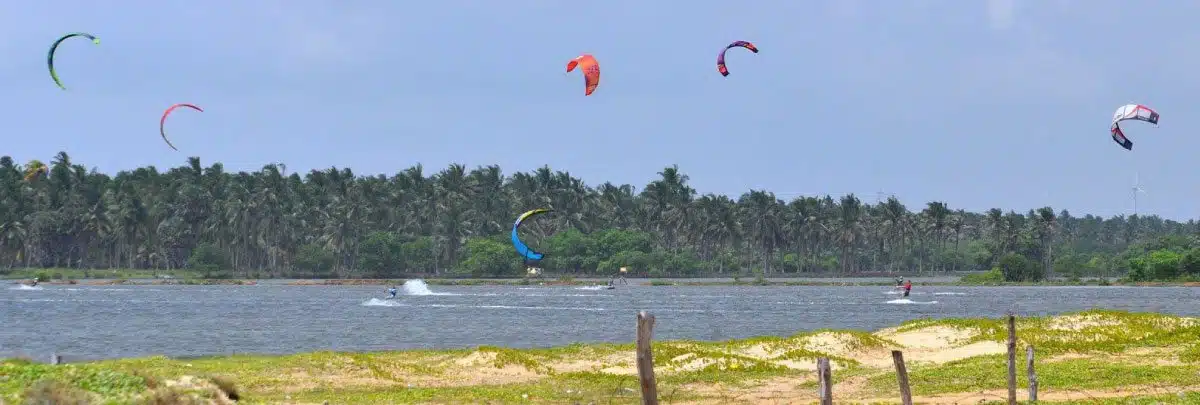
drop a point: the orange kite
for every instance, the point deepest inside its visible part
(591, 71)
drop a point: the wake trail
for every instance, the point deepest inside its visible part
(908, 301)
(418, 287)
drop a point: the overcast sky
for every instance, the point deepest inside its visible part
(976, 103)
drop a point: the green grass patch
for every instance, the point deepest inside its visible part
(18, 375)
(564, 388)
(991, 373)
(1191, 354)
(1161, 399)
(1081, 332)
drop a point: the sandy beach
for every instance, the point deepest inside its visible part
(1095, 356)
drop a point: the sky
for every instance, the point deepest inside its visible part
(977, 103)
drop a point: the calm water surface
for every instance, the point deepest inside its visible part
(86, 322)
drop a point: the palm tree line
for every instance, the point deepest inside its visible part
(262, 223)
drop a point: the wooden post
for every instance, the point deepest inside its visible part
(1033, 383)
(645, 359)
(1012, 359)
(902, 377)
(825, 380)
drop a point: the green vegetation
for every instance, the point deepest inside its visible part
(1169, 258)
(453, 223)
(1105, 355)
(61, 274)
(990, 372)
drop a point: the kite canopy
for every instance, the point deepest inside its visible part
(162, 121)
(721, 56)
(54, 47)
(591, 72)
(1135, 112)
(522, 248)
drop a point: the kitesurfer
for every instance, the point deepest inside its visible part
(35, 282)
(907, 287)
(899, 281)
(392, 291)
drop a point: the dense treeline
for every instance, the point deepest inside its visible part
(271, 223)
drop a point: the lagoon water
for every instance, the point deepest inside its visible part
(96, 322)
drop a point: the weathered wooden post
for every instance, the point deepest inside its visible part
(1012, 359)
(645, 359)
(902, 377)
(1033, 383)
(825, 380)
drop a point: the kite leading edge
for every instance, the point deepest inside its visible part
(162, 121)
(721, 56)
(522, 249)
(54, 47)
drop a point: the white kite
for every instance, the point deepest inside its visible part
(1130, 112)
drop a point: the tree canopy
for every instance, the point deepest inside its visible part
(325, 223)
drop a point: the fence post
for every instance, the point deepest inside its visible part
(645, 359)
(1033, 383)
(825, 379)
(1012, 359)
(902, 377)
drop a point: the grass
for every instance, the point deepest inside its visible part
(1090, 354)
(990, 373)
(1088, 331)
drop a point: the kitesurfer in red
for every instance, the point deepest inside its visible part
(907, 287)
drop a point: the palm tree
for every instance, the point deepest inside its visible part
(272, 221)
(849, 230)
(1047, 223)
(762, 224)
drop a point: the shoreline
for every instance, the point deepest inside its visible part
(133, 277)
(957, 360)
(657, 282)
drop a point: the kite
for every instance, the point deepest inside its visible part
(162, 121)
(1128, 112)
(591, 71)
(523, 249)
(721, 56)
(53, 47)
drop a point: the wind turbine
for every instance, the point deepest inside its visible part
(1136, 189)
